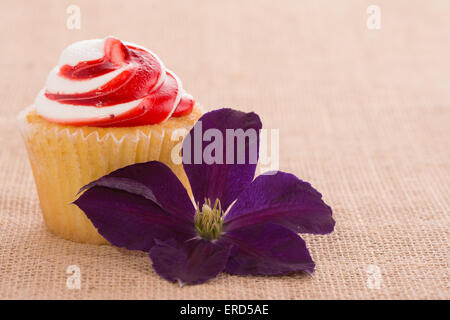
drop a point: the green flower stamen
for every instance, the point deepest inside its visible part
(209, 220)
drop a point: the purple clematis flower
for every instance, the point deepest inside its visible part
(239, 225)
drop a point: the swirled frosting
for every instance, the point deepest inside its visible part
(109, 83)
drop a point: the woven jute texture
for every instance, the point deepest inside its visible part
(362, 114)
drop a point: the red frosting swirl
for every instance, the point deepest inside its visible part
(143, 78)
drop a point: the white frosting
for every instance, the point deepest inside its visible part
(57, 84)
(179, 93)
(82, 51)
(85, 51)
(55, 110)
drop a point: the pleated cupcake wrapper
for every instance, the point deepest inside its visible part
(64, 160)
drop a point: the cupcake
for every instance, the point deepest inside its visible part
(106, 105)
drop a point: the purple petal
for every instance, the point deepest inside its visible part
(267, 249)
(154, 181)
(191, 262)
(283, 199)
(217, 177)
(130, 220)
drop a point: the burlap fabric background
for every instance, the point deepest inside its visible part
(363, 115)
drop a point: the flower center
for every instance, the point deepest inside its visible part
(208, 220)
